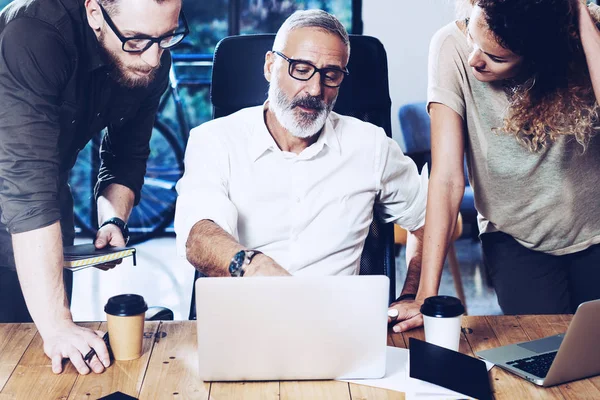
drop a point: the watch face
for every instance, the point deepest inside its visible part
(235, 267)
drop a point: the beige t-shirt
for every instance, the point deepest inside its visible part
(547, 201)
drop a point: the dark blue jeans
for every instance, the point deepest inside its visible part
(532, 282)
(12, 303)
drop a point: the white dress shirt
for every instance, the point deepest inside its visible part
(311, 211)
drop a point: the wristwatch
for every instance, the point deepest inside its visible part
(241, 258)
(122, 226)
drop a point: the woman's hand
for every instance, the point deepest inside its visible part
(405, 315)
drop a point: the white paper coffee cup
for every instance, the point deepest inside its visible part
(442, 317)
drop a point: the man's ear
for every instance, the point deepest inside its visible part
(268, 68)
(94, 15)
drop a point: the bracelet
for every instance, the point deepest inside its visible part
(407, 296)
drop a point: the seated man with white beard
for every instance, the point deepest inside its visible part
(289, 187)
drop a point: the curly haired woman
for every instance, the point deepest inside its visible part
(515, 87)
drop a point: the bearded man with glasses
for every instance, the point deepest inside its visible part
(289, 187)
(68, 69)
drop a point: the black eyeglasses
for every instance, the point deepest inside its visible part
(141, 43)
(304, 71)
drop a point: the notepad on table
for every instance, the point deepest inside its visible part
(87, 255)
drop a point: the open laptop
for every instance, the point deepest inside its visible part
(556, 359)
(292, 328)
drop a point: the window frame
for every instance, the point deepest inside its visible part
(235, 9)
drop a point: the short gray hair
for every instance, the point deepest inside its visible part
(112, 6)
(315, 18)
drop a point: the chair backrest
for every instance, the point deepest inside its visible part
(416, 132)
(238, 82)
(416, 127)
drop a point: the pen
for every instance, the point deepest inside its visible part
(91, 353)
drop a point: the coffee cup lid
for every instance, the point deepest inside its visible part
(125, 305)
(442, 307)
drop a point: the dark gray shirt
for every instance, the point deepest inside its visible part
(56, 92)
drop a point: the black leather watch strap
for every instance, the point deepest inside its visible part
(407, 296)
(122, 226)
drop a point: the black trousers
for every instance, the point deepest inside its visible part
(532, 282)
(12, 303)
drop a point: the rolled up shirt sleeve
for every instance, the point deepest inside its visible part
(402, 193)
(125, 149)
(203, 191)
(34, 67)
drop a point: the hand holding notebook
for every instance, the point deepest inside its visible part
(87, 255)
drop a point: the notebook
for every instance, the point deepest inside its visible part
(86, 255)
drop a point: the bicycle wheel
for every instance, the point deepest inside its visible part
(82, 179)
(156, 208)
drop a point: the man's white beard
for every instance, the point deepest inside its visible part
(299, 124)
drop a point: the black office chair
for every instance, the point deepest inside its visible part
(238, 82)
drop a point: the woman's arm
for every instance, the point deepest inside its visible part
(446, 190)
(590, 39)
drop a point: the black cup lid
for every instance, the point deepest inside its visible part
(442, 307)
(125, 305)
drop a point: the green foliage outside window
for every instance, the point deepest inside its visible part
(266, 16)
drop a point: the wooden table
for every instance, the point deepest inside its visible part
(167, 370)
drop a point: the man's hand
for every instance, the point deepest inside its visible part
(68, 340)
(263, 265)
(109, 235)
(405, 315)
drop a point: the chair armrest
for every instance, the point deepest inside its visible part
(159, 314)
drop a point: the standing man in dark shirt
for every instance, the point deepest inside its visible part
(69, 68)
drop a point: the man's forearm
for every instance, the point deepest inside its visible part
(39, 260)
(115, 201)
(414, 255)
(210, 249)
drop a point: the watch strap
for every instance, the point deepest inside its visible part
(250, 254)
(122, 225)
(406, 296)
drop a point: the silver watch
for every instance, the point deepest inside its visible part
(241, 258)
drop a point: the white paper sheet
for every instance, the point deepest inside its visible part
(397, 378)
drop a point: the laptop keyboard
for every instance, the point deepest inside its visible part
(537, 365)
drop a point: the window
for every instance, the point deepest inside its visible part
(209, 21)
(266, 16)
(212, 20)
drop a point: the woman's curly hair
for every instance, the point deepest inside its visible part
(553, 96)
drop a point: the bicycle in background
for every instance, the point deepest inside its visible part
(154, 214)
